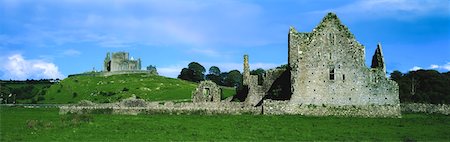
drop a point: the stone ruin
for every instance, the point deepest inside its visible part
(120, 61)
(326, 75)
(327, 68)
(207, 91)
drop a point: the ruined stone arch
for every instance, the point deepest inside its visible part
(207, 91)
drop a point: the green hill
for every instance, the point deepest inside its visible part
(113, 88)
(24, 92)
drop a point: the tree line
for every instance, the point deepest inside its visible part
(195, 72)
(423, 86)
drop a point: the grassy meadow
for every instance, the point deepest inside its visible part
(114, 88)
(23, 124)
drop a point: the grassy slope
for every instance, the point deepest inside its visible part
(37, 89)
(219, 127)
(117, 87)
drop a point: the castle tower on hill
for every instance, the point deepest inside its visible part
(120, 61)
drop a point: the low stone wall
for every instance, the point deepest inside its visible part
(133, 106)
(283, 107)
(426, 108)
(163, 107)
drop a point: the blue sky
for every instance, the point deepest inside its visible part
(55, 38)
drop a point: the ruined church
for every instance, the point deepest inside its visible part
(326, 67)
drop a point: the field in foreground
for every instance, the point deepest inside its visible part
(22, 124)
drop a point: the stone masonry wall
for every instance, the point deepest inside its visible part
(139, 106)
(284, 107)
(426, 108)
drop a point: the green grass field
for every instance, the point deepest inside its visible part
(22, 124)
(117, 87)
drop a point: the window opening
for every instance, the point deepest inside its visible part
(331, 73)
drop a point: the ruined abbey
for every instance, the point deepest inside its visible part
(326, 67)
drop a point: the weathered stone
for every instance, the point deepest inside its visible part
(328, 67)
(207, 91)
(426, 108)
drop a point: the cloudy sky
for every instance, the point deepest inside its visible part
(56, 38)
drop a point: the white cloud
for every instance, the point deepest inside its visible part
(415, 68)
(16, 67)
(444, 67)
(434, 66)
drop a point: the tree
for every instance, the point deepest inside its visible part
(186, 74)
(214, 70)
(423, 86)
(260, 72)
(222, 77)
(198, 70)
(195, 72)
(234, 79)
(214, 75)
(396, 75)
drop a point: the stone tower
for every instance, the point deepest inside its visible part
(107, 63)
(246, 73)
(328, 68)
(120, 61)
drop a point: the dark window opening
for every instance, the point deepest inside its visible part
(332, 74)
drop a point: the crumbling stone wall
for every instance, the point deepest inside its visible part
(272, 107)
(133, 106)
(207, 91)
(328, 67)
(426, 108)
(255, 91)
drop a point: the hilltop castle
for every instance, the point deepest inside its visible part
(326, 67)
(120, 61)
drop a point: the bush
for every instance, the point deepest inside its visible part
(74, 94)
(41, 98)
(76, 119)
(107, 94)
(37, 124)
